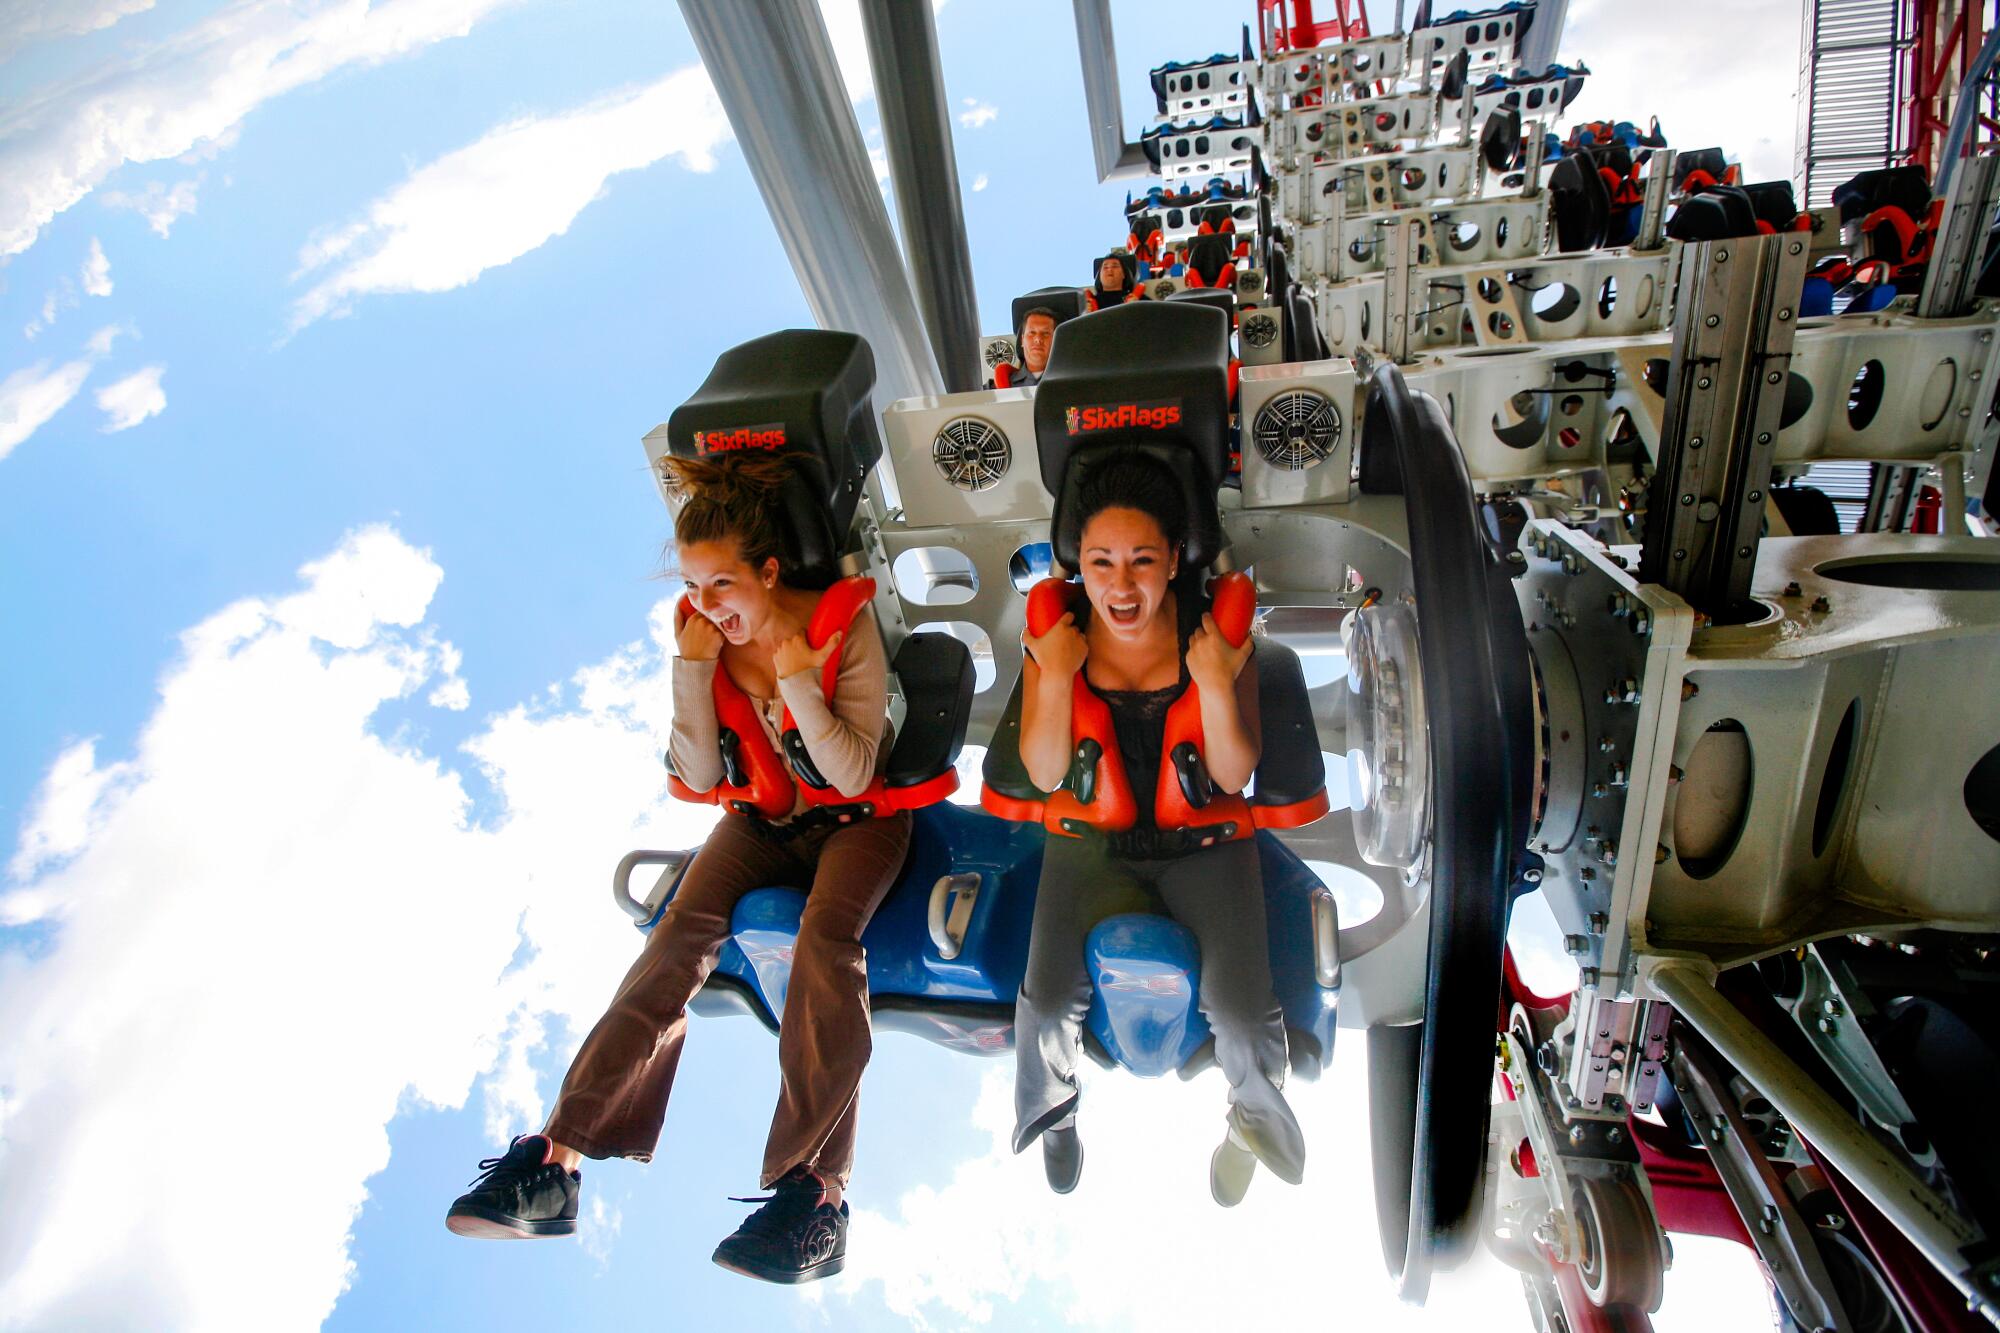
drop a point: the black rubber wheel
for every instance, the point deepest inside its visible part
(1618, 1246)
(1473, 656)
(1394, 1057)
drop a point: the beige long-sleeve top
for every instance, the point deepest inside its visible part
(848, 742)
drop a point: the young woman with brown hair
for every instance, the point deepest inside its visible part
(742, 625)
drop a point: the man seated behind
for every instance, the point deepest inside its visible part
(1036, 336)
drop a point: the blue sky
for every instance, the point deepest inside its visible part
(328, 564)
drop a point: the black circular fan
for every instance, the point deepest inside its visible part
(1162, 288)
(1296, 430)
(1259, 330)
(999, 352)
(971, 454)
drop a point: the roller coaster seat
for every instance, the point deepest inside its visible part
(947, 948)
(804, 394)
(1065, 303)
(1210, 261)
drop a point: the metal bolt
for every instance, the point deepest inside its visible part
(1713, 320)
(1575, 944)
(1755, 496)
(1831, 1008)
(1775, 377)
(1614, 1135)
(1680, 555)
(1821, 605)
(1828, 1026)
(1792, 589)
(1618, 775)
(1763, 437)
(1599, 922)
(1588, 976)
(1687, 499)
(1586, 874)
(1661, 853)
(1722, 256)
(1786, 313)
(1609, 853)
(1689, 690)
(1606, 745)
(1533, 874)
(1618, 604)
(1702, 383)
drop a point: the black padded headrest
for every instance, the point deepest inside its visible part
(1150, 379)
(1907, 188)
(1222, 298)
(1213, 214)
(1773, 202)
(1208, 255)
(1066, 302)
(802, 394)
(1500, 139)
(1690, 160)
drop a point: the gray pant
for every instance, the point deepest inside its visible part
(1218, 893)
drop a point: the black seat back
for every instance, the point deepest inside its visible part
(803, 394)
(1208, 256)
(1149, 378)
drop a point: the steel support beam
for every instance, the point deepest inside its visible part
(1117, 157)
(1538, 48)
(773, 68)
(1946, 1237)
(916, 131)
(1733, 323)
(1960, 245)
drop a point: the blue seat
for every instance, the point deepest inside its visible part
(1145, 970)
(1145, 973)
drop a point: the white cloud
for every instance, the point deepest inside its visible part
(30, 396)
(493, 201)
(160, 204)
(979, 182)
(267, 905)
(1640, 70)
(131, 400)
(978, 115)
(61, 141)
(96, 271)
(991, 1240)
(24, 21)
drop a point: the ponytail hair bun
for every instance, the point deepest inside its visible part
(733, 497)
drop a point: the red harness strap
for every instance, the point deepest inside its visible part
(769, 785)
(1097, 794)
(1233, 603)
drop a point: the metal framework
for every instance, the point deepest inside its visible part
(1878, 83)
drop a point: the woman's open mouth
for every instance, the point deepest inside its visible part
(730, 625)
(1124, 614)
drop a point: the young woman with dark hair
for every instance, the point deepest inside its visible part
(743, 619)
(1143, 638)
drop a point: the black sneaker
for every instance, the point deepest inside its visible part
(522, 1195)
(794, 1237)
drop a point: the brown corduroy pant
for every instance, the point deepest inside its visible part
(614, 1099)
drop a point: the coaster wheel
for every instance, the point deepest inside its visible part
(1430, 1082)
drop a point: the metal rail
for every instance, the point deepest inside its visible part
(1117, 157)
(773, 68)
(916, 132)
(1944, 1236)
